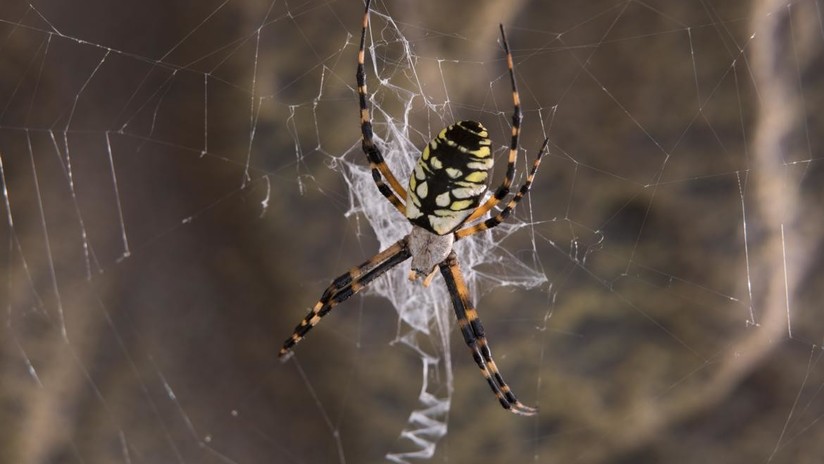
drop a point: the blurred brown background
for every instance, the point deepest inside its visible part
(677, 219)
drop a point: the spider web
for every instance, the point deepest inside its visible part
(182, 180)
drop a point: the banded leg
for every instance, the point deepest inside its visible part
(510, 207)
(345, 286)
(396, 194)
(473, 333)
(503, 189)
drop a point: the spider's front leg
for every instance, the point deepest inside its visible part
(345, 286)
(473, 333)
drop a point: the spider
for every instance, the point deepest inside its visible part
(443, 204)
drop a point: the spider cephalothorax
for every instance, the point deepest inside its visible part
(427, 250)
(443, 204)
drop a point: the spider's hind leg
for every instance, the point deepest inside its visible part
(345, 286)
(510, 207)
(394, 192)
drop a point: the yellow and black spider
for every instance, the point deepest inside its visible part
(442, 203)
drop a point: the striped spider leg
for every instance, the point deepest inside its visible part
(396, 193)
(473, 334)
(503, 189)
(510, 206)
(345, 286)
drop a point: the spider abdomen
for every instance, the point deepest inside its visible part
(450, 178)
